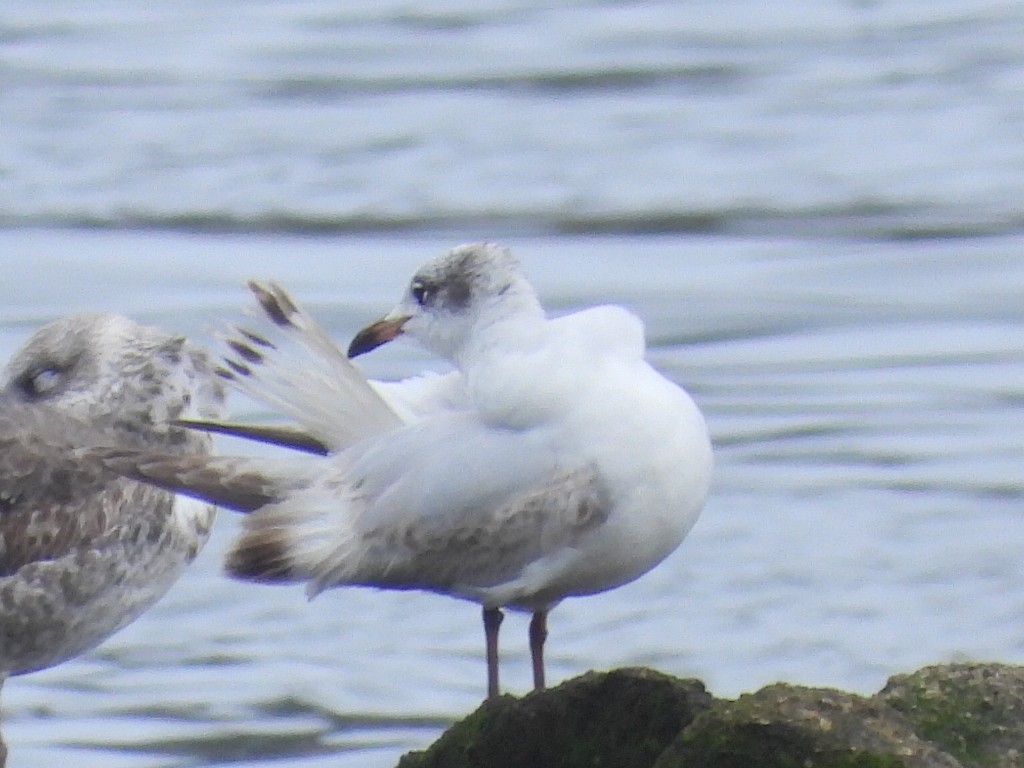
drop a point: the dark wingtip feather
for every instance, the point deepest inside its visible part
(275, 303)
(237, 367)
(245, 351)
(284, 436)
(259, 556)
(256, 339)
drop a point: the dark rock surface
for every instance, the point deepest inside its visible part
(626, 717)
(960, 715)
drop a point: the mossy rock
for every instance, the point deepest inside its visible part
(623, 718)
(785, 726)
(973, 711)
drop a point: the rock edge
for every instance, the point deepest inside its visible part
(967, 715)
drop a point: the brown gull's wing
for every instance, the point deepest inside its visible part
(51, 502)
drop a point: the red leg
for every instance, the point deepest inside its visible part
(3, 746)
(538, 634)
(492, 622)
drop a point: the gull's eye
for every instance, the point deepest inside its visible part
(422, 292)
(40, 382)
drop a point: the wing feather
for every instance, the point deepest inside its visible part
(445, 504)
(293, 365)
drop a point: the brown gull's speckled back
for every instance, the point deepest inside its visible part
(83, 553)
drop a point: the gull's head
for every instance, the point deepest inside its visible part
(102, 367)
(453, 296)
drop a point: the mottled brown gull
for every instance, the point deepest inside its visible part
(84, 552)
(553, 462)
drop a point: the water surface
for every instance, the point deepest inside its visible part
(865, 519)
(814, 207)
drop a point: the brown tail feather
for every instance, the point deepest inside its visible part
(262, 558)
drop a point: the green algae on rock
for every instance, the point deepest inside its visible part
(949, 716)
(622, 718)
(973, 711)
(784, 726)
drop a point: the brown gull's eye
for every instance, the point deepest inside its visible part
(422, 292)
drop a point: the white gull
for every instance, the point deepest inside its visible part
(553, 462)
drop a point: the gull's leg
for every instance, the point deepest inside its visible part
(492, 622)
(538, 634)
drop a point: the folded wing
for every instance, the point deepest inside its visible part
(446, 504)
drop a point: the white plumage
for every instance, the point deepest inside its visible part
(553, 462)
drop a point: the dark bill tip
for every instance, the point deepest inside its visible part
(372, 336)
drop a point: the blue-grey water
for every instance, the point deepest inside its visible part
(816, 208)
